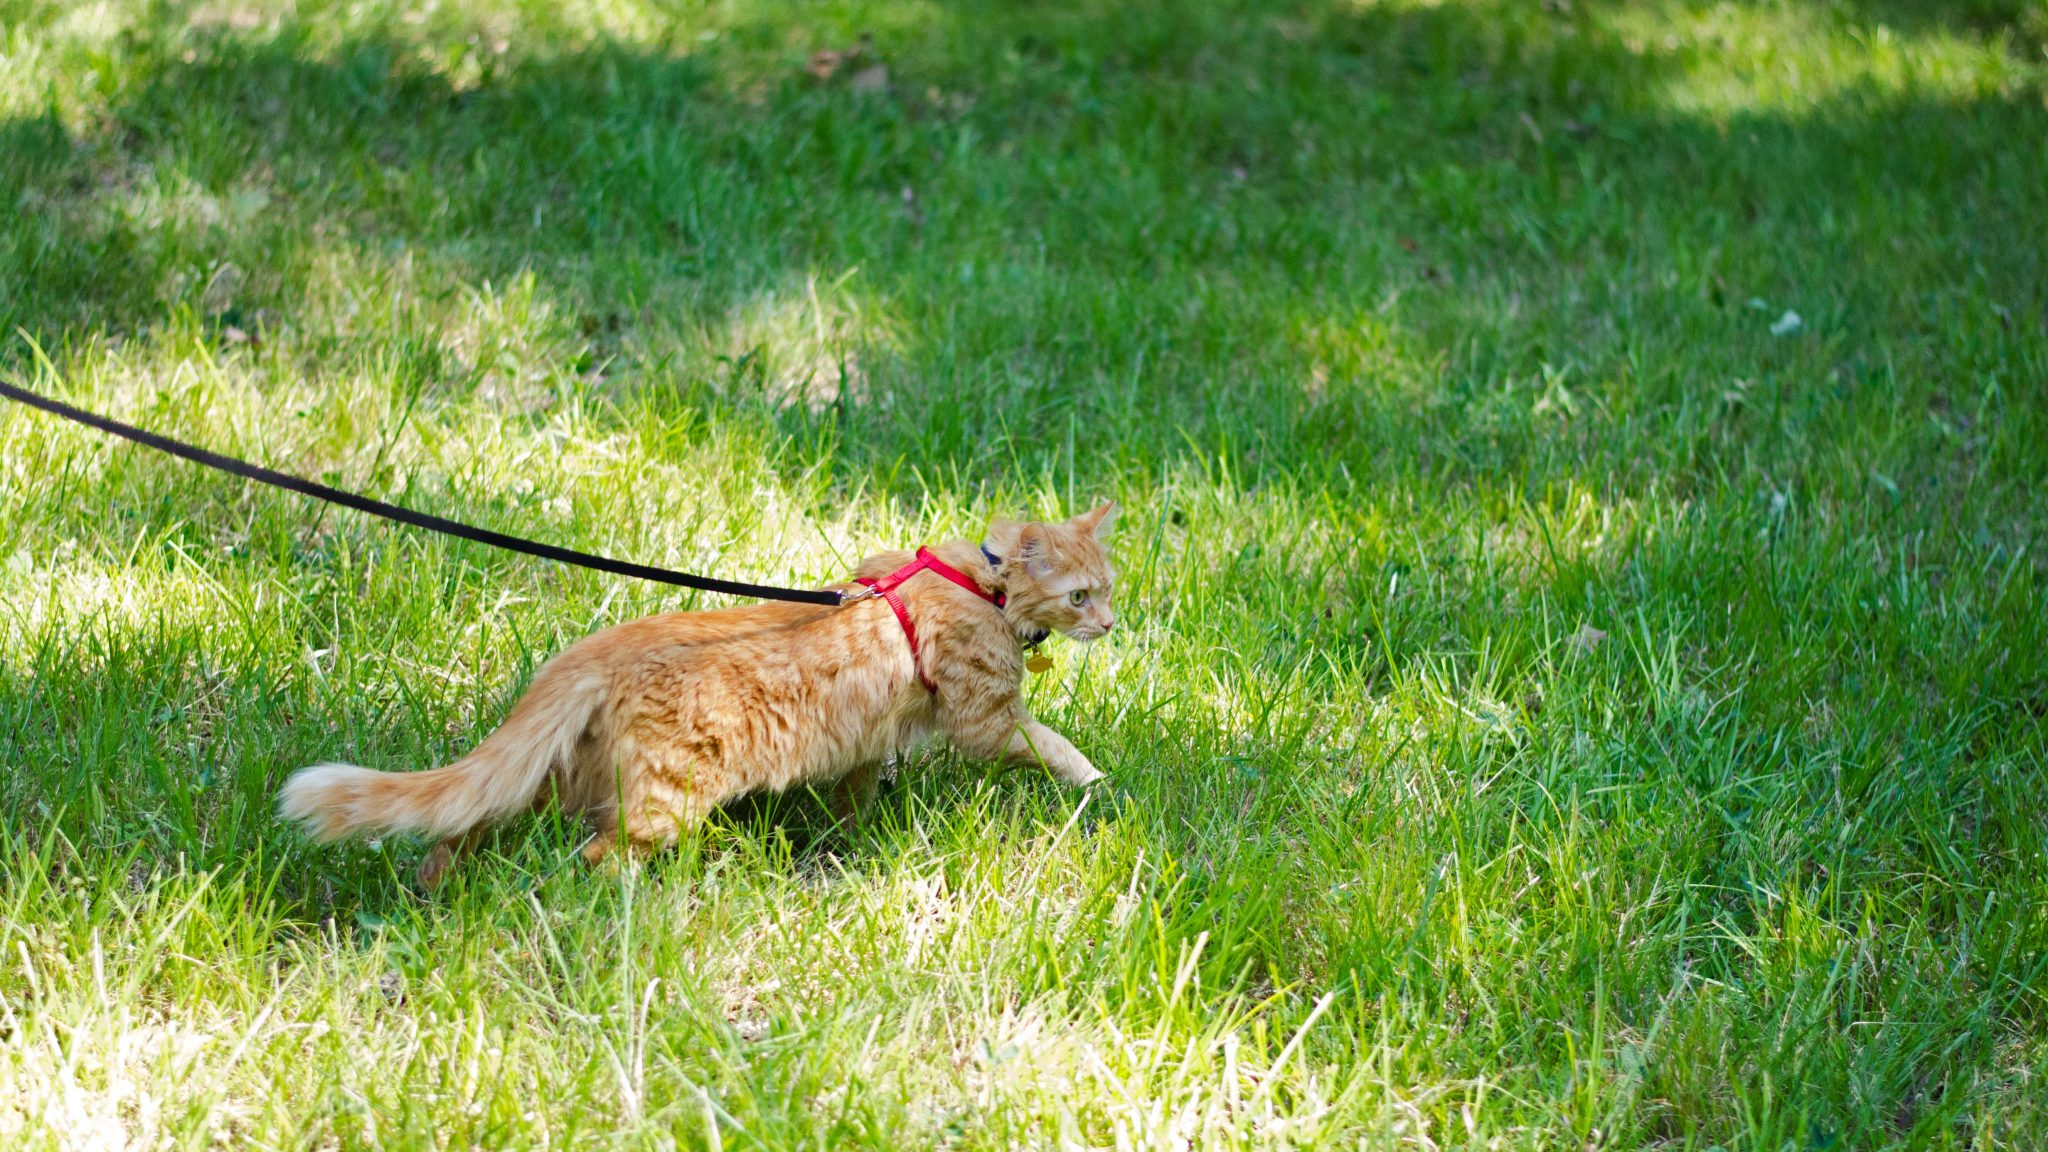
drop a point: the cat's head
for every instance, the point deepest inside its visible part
(1057, 576)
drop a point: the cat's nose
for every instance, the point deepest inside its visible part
(1108, 622)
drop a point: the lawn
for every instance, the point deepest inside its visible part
(1583, 679)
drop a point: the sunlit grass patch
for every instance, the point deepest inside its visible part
(1797, 58)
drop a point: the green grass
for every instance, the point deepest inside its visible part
(1556, 710)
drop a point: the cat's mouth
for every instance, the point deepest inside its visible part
(1087, 633)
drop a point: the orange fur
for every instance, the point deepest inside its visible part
(648, 726)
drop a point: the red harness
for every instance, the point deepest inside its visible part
(925, 562)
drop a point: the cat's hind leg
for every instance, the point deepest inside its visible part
(639, 837)
(655, 807)
(441, 857)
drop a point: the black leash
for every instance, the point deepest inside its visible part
(407, 516)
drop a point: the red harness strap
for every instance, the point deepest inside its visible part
(886, 589)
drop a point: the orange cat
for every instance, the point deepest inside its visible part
(649, 725)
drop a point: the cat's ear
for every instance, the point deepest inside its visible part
(1099, 520)
(1034, 546)
(1002, 536)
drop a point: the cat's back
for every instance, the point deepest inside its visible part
(672, 635)
(755, 660)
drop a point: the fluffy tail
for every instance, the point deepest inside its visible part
(496, 780)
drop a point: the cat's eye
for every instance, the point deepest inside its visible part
(1079, 596)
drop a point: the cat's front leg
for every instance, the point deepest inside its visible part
(1002, 730)
(1034, 743)
(853, 792)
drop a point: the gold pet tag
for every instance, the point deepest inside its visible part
(1038, 662)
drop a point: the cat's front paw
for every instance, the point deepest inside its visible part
(1084, 776)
